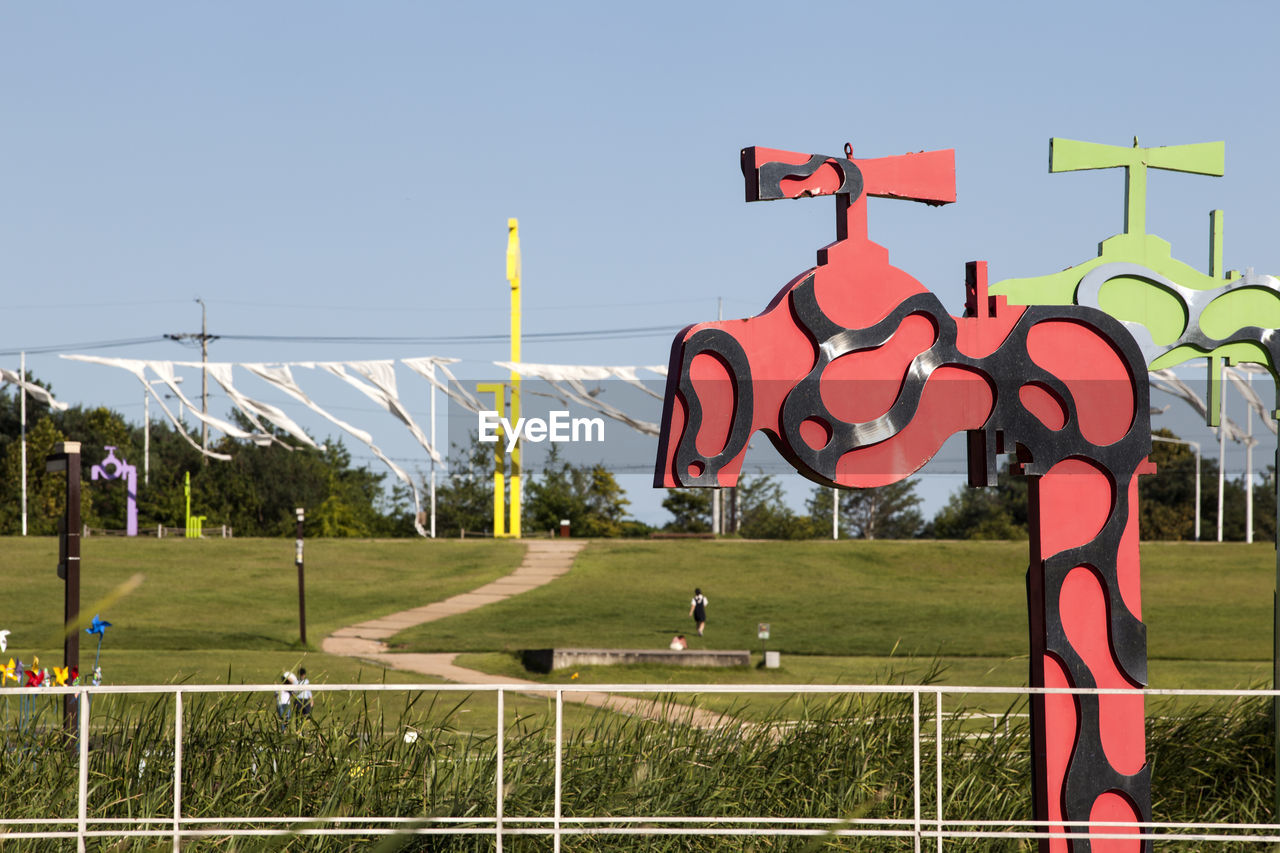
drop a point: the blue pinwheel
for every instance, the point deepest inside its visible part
(98, 626)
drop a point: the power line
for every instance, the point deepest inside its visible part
(120, 342)
(430, 309)
(571, 335)
(574, 335)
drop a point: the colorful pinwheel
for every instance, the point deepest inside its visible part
(98, 626)
(7, 673)
(60, 674)
(35, 678)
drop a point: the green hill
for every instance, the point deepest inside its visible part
(851, 608)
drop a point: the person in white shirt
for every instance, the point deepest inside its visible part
(303, 697)
(284, 700)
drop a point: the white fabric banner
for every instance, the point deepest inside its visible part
(383, 392)
(280, 376)
(139, 369)
(567, 380)
(164, 370)
(41, 394)
(1166, 380)
(427, 366)
(255, 409)
(1239, 376)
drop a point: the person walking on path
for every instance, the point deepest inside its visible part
(698, 610)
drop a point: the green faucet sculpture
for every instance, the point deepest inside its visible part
(1175, 312)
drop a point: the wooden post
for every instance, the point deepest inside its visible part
(66, 457)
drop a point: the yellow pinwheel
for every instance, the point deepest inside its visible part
(60, 674)
(7, 672)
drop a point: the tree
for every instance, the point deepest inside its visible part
(11, 412)
(588, 496)
(1167, 501)
(690, 510)
(46, 492)
(1235, 512)
(259, 488)
(1264, 506)
(464, 501)
(885, 512)
(763, 512)
(996, 512)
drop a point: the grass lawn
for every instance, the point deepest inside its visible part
(832, 669)
(840, 611)
(206, 604)
(866, 605)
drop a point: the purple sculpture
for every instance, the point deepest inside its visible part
(127, 472)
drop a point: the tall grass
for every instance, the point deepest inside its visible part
(848, 759)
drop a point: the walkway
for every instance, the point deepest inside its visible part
(544, 561)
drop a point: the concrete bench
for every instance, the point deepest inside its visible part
(547, 660)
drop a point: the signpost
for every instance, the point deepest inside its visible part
(66, 457)
(762, 631)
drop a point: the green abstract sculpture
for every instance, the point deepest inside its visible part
(1175, 312)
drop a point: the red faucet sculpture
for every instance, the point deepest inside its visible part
(857, 374)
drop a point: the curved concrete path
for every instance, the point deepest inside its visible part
(544, 561)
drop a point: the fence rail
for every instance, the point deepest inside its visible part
(932, 828)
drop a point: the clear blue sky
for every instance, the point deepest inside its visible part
(323, 169)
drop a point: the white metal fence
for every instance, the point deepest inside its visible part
(926, 828)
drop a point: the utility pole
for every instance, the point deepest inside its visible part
(203, 337)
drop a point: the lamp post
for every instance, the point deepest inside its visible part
(302, 589)
(1194, 445)
(66, 457)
